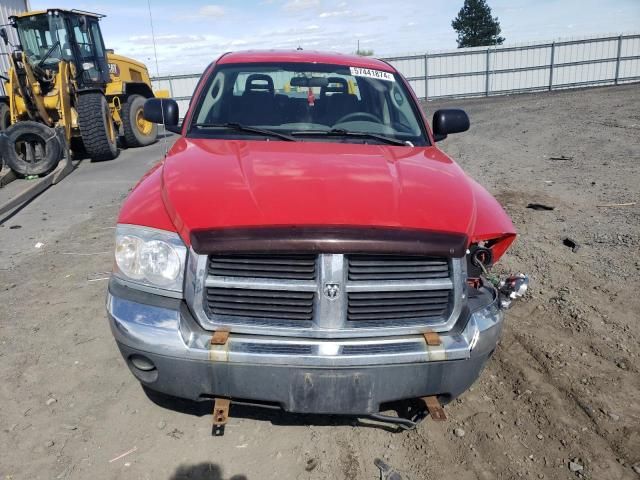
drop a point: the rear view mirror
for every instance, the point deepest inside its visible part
(449, 120)
(309, 82)
(3, 34)
(164, 111)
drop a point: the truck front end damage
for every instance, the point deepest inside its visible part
(309, 332)
(304, 245)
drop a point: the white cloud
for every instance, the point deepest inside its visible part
(350, 15)
(212, 27)
(299, 5)
(335, 13)
(171, 39)
(211, 11)
(292, 31)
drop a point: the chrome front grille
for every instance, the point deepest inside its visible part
(416, 305)
(292, 267)
(252, 303)
(278, 349)
(396, 267)
(325, 295)
(378, 349)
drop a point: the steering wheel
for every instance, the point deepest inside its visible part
(364, 115)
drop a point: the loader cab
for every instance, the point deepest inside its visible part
(47, 38)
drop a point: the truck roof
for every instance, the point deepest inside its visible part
(304, 56)
(31, 13)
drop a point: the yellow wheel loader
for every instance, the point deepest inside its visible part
(63, 82)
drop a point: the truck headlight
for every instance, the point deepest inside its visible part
(151, 257)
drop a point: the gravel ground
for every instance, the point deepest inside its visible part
(560, 399)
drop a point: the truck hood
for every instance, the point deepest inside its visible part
(209, 184)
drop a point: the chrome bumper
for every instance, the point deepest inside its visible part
(173, 332)
(300, 374)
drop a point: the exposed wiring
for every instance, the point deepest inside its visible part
(493, 279)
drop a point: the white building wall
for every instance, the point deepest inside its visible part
(8, 8)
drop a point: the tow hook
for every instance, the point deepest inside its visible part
(512, 288)
(427, 406)
(220, 416)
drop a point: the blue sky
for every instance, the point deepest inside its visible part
(191, 33)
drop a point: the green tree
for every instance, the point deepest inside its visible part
(475, 25)
(364, 53)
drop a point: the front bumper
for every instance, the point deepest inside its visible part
(339, 376)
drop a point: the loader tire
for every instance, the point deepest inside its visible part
(96, 126)
(5, 116)
(137, 131)
(30, 148)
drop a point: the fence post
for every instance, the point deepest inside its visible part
(618, 59)
(486, 86)
(426, 77)
(553, 53)
(170, 87)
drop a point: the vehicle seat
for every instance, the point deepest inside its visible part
(334, 85)
(257, 105)
(335, 101)
(66, 51)
(295, 110)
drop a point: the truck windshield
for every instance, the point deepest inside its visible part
(308, 101)
(41, 35)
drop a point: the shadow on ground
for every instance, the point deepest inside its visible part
(202, 471)
(278, 417)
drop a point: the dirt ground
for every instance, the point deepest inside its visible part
(560, 399)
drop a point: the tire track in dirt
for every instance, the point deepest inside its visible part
(571, 396)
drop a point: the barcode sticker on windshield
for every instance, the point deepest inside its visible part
(369, 73)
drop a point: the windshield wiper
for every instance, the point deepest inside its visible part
(243, 128)
(49, 52)
(339, 132)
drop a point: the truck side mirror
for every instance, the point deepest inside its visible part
(3, 34)
(449, 120)
(164, 111)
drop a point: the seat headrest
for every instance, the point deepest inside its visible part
(259, 82)
(335, 85)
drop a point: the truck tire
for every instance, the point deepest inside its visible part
(30, 148)
(5, 116)
(137, 131)
(96, 126)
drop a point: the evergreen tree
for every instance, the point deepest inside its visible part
(475, 25)
(364, 53)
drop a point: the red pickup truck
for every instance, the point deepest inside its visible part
(306, 245)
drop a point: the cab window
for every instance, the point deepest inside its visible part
(292, 98)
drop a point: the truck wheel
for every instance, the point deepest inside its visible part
(5, 116)
(137, 131)
(96, 126)
(30, 148)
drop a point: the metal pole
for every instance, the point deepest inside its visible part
(426, 76)
(170, 87)
(553, 53)
(486, 86)
(618, 59)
